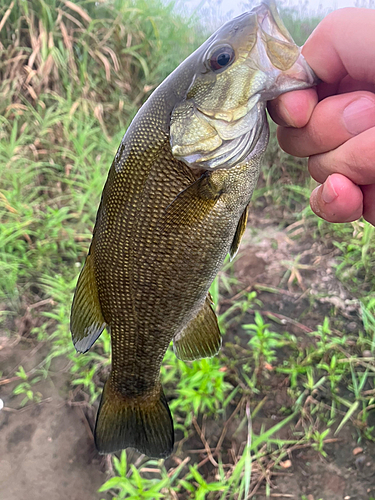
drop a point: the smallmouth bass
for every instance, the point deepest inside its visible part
(173, 206)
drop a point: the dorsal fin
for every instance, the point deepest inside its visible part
(201, 337)
(241, 226)
(86, 319)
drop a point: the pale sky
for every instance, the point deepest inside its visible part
(239, 6)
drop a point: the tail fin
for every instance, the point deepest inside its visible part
(142, 423)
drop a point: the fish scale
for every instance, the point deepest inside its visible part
(174, 205)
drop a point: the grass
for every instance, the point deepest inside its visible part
(72, 77)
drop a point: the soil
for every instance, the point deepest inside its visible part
(47, 449)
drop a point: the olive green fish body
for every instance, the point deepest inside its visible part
(174, 205)
(141, 280)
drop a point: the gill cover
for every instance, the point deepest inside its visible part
(248, 61)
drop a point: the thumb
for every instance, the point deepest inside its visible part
(337, 200)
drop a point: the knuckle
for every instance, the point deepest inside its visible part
(352, 163)
(318, 137)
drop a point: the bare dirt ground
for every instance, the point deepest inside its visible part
(46, 449)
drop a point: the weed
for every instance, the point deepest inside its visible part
(131, 485)
(199, 487)
(201, 388)
(25, 387)
(318, 441)
(238, 309)
(263, 343)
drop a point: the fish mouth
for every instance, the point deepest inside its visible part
(300, 74)
(270, 22)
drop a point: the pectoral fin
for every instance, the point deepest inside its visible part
(201, 337)
(193, 204)
(86, 320)
(239, 233)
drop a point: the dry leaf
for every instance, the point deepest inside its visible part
(286, 464)
(79, 11)
(357, 451)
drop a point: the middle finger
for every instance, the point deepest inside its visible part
(334, 120)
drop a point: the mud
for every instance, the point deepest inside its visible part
(46, 449)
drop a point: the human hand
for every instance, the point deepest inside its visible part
(334, 124)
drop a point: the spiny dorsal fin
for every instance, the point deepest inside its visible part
(86, 320)
(201, 337)
(239, 233)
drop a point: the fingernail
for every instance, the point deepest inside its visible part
(285, 116)
(359, 115)
(313, 201)
(328, 192)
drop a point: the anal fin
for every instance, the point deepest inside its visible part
(201, 337)
(241, 226)
(86, 319)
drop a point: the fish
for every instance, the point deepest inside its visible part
(174, 205)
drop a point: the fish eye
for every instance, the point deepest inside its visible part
(221, 58)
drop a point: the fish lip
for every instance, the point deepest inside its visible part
(316, 79)
(301, 73)
(270, 22)
(299, 77)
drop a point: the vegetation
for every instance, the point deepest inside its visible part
(72, 76)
